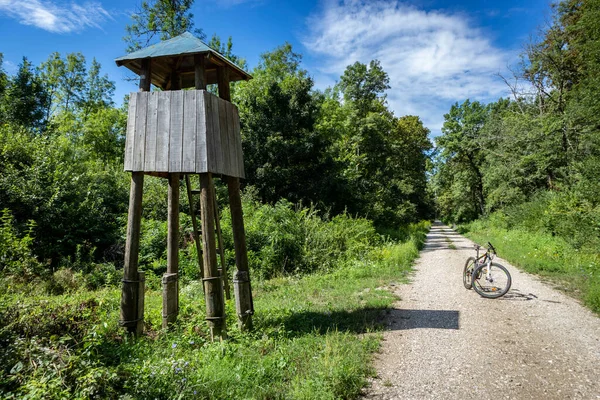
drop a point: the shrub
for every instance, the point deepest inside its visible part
(65, 281)
(103, 275)
(16, 257)
(285, 240)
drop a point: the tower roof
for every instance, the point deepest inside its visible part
(177, 54)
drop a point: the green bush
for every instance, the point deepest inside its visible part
(285, 240)
(567, 215)
(103, 275)
(16, 256)
(65, 280)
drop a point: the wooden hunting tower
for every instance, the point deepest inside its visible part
(177, 134)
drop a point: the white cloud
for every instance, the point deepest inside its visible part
(433, 58)
(55, 17)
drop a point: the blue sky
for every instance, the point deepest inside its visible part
(436, 52)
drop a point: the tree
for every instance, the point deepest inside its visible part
(25, 99)
(159, 20)
(410, 146)
(363, 85)
(285, 156)
(65, 80)
(98, 92)
(461, 147)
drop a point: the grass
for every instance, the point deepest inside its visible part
(309, 339)
(572, 270)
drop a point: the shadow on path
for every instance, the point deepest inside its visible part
(515, 295)
(423, 319)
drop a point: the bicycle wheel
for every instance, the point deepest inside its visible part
(468, 272)
(493, 285)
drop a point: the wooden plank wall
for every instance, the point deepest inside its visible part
(185, 131)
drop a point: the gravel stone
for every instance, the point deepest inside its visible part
(447, 342)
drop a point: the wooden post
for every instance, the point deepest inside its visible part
(241, 282)
(146, 76)
(200, 71)
(170, 290)
(171, 294)
(213, 286)
(223, 83)
(175, 81)
(140, 304)
(130, 291)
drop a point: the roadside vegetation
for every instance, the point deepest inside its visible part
(308, 327)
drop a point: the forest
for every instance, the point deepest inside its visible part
(338, 196)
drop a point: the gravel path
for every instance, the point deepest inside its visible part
(446, 342)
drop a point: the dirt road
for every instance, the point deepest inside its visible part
(446, 342)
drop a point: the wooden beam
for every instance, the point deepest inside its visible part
(223, 83)
(139, 329)
(130, 294)
(146, 75)
(200, 71)
(175, 82)
(193, 215)
(223, 270)
(244, 304)
(172, 294)
(213, 285)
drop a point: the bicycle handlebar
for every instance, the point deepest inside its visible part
(491, 247)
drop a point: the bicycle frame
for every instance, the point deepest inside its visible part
(485, 258)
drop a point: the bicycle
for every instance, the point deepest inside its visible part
(489, 279)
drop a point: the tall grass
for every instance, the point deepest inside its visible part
(323, 294)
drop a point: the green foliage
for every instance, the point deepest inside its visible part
(285, 156)
(3, 76)
(16, 256)
(65, 281)
(74, 91)
(103, 134)
(364, 85)
(284, 240)
(74, 201)
(381, 158)
(460, 162)
(23, 98)
(307, 341)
